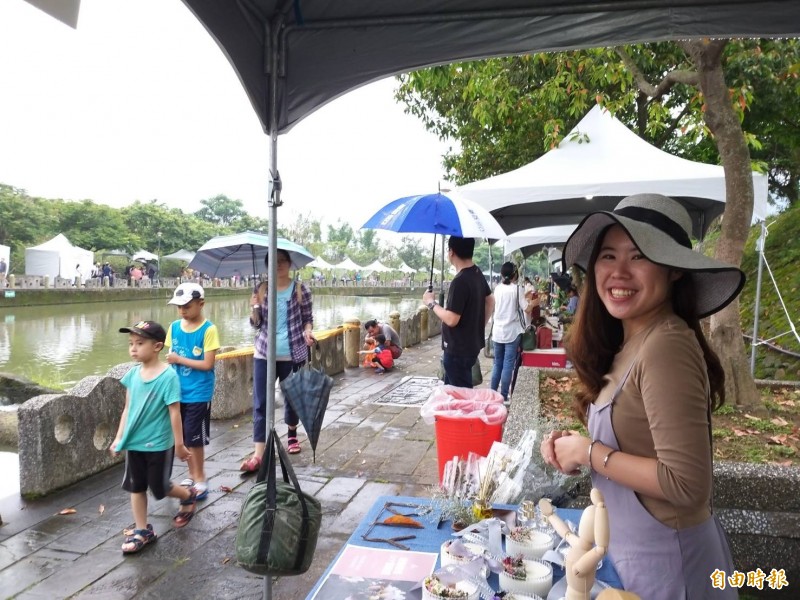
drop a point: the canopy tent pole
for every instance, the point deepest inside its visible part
(274, 201)
(757, 308)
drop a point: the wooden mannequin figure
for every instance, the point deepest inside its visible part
(587, 548)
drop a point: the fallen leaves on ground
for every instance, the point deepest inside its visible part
(67, 511)
(225, 488)
(739, 435)
(101, 509)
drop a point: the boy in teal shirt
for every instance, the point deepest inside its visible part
(193, 342)
(150, 430)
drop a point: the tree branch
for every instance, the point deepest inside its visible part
(656, 91)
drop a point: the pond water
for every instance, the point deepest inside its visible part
(59, 345)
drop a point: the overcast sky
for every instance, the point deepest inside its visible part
(140, 103)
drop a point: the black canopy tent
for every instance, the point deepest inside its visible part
(294, 56)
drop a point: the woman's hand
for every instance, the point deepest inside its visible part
(308, 336)
(565, 451)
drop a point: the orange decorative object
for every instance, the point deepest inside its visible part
(403, 521)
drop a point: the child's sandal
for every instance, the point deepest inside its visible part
(292, 445)
(182, 518)
(139, 539)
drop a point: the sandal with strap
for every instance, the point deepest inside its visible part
(292, 445)
(139, 539)
(251, 465)
(182, 518)
(129, 531)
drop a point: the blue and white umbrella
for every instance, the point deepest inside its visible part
(437, 214)
(240, 253)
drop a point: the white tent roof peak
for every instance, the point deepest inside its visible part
(598, 163)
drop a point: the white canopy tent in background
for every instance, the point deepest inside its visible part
(531, 241)
(5, 254)
(58, 258)
(181, 254)
(404, 268)
(144, 256)
(320, 263)
(377, 266)
(596, 165)
(348, 265)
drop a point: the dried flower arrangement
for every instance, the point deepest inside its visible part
(523, 534)
(436, 588)
(514, 566)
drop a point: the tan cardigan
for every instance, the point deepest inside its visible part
(662, 412)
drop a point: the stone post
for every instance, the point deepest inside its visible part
(394, 320)
(12, 281)
(106, 282)
(46, 281)
(423, 323)
(352, 342)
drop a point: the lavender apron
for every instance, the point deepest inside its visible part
(653, 560)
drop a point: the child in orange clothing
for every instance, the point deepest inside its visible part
(382, 357)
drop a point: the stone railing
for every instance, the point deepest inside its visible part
(64, 438)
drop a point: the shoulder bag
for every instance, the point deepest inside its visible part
(279, 523)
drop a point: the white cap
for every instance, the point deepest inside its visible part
(185, 293)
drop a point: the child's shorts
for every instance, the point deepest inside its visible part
(148, 470)
(196, 419)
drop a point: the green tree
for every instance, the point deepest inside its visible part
(680, 97)
(221, 210)
(92, 226)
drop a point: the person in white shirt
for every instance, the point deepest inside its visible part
(507, 328)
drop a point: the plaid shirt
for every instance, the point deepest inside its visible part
(298, 315)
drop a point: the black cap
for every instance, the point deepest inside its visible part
(147, 329)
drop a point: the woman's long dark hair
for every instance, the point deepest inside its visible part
(595, 338)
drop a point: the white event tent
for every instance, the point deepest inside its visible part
(348, 265)
(377, 266)
(5, 254)
(58, 257)
(531, 241)
(596, 165)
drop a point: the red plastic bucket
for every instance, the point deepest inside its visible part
(460, 436)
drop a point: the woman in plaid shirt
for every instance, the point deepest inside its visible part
(294, 322)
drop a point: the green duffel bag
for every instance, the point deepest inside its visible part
(279, 523)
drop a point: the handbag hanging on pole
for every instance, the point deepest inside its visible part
(279, 523)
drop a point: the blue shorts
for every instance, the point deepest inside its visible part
(148, 469)
(196, 419)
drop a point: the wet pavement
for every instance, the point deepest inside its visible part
(365, 450)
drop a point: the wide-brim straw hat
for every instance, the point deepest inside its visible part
(661, 229)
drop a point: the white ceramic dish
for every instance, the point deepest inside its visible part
(538, 581)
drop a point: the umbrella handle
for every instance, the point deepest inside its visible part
(433, 258)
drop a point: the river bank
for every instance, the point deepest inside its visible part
(57, 296)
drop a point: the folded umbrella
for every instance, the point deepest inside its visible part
(307, 391)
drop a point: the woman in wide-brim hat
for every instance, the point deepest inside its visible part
(649, 381)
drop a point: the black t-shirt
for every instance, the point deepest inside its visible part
(467, 297)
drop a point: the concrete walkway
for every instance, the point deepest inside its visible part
(365, 450)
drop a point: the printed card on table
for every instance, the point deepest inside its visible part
(363, 573)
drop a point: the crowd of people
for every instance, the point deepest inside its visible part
(649, 442)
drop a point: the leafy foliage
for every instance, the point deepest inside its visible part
(504, 113)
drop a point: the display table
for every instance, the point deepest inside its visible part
(428, 540)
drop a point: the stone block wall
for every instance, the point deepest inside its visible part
(64, 438)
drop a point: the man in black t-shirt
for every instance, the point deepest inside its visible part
(469, 305)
